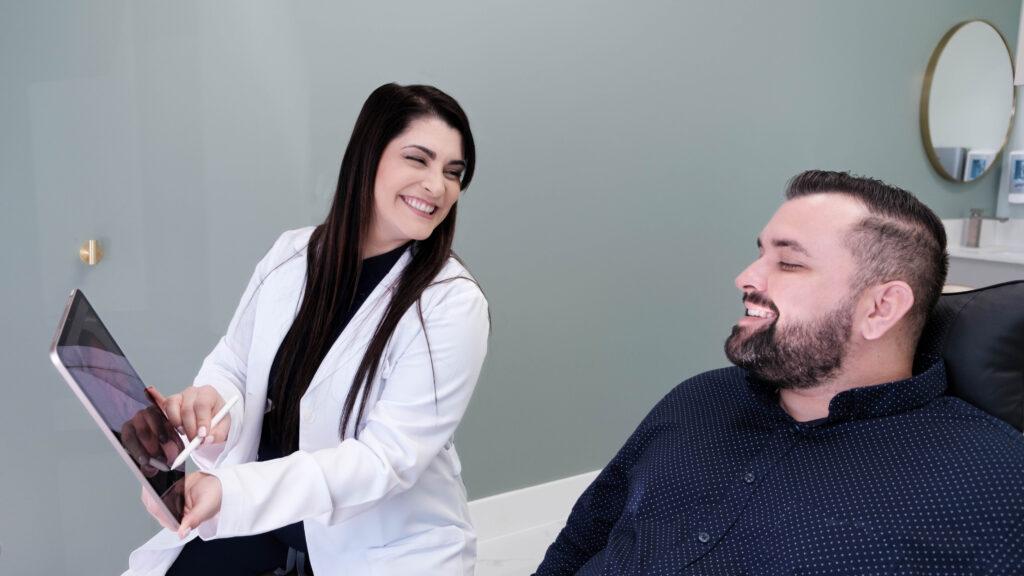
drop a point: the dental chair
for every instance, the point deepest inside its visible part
(980, 336)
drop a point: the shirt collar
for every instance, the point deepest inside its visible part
(375, 268)
(871, 401)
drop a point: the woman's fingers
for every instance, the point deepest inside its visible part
(172, 409)
(207, 403)
(155, 396)
(200, 404)
(192, 411)
(188, 413)
(202, 501)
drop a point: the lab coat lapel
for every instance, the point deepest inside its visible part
(281, 300)
(351, 344)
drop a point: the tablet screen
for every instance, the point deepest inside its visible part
(110, 388)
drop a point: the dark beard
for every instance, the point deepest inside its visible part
(801, 356)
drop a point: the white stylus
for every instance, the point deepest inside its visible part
(197, 440)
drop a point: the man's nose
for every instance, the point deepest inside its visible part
(751, 279)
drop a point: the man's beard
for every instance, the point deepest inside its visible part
(798, 356)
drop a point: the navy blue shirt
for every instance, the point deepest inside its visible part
(718, 479)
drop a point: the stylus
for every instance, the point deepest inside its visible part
(197, 440)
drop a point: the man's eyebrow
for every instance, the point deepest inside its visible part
(433, 155)
(791, 244)
(785, 243)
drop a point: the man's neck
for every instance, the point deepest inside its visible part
(808, 404)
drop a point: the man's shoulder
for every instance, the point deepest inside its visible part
(713, 390)
(945, 442)
(967, 423)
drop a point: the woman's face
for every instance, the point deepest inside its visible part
(418, 182)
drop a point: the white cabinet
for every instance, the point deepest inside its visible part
(975, 272)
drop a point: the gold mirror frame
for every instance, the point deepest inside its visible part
(926, 92)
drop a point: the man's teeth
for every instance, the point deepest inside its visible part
(421, 206)
(759, 313)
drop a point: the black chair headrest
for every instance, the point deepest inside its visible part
(980, 336)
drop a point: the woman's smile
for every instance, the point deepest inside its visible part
(420, 206)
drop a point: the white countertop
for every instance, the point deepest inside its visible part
(1000, 241)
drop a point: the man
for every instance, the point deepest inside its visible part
(826, 450)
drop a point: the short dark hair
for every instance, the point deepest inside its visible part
(901, 239)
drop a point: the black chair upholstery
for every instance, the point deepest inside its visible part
(980, 336)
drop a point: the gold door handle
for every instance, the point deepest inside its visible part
(91, 252)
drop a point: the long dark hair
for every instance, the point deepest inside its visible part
(335, 247)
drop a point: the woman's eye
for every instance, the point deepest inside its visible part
(456, 174)
(416, 159)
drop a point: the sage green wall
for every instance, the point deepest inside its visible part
(629, 155)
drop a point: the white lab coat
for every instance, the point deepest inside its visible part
(391, 501)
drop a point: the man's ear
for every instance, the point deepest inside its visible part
(886, 304)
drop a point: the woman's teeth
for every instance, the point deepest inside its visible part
(421, 206)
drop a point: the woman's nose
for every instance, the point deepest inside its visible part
(433, 183)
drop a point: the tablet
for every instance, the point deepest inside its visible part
(87, 357)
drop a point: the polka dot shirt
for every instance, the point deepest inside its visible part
(899, 479)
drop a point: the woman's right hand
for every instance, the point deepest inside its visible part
(191, 412)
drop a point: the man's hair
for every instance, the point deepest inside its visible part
(901, 239)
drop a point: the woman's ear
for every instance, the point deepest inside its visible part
(886, 305)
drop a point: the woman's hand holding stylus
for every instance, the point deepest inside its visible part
(191, 413)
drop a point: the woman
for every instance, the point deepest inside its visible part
(354, 349)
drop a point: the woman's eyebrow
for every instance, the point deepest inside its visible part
(430, 153)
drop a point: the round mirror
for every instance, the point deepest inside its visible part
(967, 101)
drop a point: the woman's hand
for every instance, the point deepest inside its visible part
(191, 411)
(202, 500)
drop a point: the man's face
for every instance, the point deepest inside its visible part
(799, 307)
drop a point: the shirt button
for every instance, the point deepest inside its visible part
(749, 477)
(703, 537)
(308, 416)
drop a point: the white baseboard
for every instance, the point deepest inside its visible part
(525, 508)
(515, 528)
